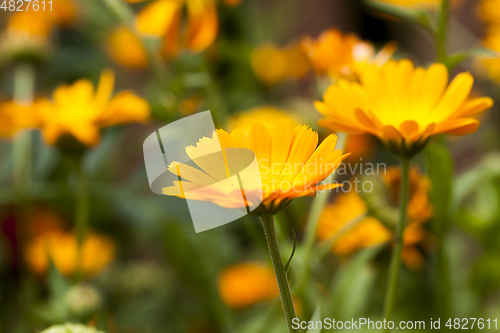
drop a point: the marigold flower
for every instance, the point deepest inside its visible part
(163, 18)
(370, 230)
(246, 284)
(15, 117)
(126, 48)
(491, 66)
(403, 105)
(290, 166)
(62, 249)
(489, 11)
(266, 115)
(80, 111)
(341, 55)
(272, 64)
(347, 207)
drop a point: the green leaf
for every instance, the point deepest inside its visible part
(315, 317)
(440, 171)
(287, 265)
(476, 52)
(351, 289)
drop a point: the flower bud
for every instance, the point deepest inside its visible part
(83, 300)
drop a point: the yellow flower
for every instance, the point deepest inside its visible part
(341, 55)
(163, 19)
(371, 231)
(15, 117)
(246, 284)
(289, 162)
(272, 64)
(267, 115)
(126, 49)
(80, 111)
(403, 105)
(347, 207)
(62, 249)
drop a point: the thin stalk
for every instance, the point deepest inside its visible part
(442, 31)
(279, 270)
(81, 213)
(390, 299)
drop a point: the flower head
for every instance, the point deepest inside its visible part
(126, 48)
(341, 55)
(403, 105)
(79, 110)
(246, 284)
(61, 248)
(288, 161)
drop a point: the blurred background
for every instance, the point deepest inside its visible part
(143, 268)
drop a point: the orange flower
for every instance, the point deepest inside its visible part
(126, 48)
(163, 18)
(289, 162)
(403, 105)
(15, 117)
(246, 284)
(272, 64)
(370, 230)
(62, 249)
(341, 55)
(80, 111)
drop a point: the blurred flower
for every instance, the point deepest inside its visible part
(71, 328)
(370, 231)
(163, 19)
(28, 31)
(266, 115)
(347, 207)
(489, 11)
(83, 300)
(15, 117)
(403, 105)
(232, 2)
(360, 146)
(491, 65)
(246, 284)
(62, 249)
(80, 111)
(126, 48)
(272, 64)
(341, 55)
(290, 167)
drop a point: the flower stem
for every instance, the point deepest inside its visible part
(442, 31)
(279, 270)
(390, 299)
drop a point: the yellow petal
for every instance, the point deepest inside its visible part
(202, 24)
(157, 17)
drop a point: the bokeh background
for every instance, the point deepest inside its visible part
(144, 268)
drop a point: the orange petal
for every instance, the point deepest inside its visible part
(408, 128)
(461, 126)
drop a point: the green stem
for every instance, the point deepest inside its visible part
(81, 213)
(390, 299)
(442, 31)
(279, 270)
